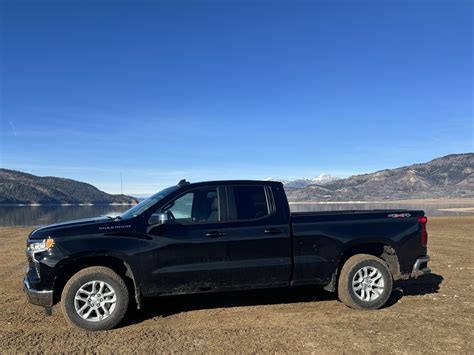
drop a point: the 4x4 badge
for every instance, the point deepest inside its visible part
(399, 215)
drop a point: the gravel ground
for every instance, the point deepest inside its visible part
(433, 314)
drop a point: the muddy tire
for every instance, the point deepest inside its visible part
(95, 298)
(365, 282)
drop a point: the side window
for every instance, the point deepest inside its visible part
(250, 202)
(182, 207)
(200, 205)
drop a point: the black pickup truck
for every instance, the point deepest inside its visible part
(217, 236)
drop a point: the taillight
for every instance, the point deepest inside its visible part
(424, 233)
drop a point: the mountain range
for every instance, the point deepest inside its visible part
(447, 177)
(451, 176)
(21, 188)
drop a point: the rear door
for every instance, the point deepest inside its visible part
(258, 237)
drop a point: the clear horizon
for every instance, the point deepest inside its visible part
(161, 91)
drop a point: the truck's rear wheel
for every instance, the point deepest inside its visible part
(365, 282)
(95, 298)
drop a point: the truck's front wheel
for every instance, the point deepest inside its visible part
(95, 298)
(365, 282)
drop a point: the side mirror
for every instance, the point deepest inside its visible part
(158, 218)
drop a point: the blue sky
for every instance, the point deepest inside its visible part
(164, 90)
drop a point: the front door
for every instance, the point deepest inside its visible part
(190, 250)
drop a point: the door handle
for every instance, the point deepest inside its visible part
(272, 231)
(214, 234)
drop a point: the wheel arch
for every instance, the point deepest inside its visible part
(381, 249)
(74, 265)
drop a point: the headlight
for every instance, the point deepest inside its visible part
(43, 245)
(33, 247)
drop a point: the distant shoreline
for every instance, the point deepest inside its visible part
(414, 201)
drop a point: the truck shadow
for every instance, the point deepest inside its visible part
(415, 287)
(171, 305)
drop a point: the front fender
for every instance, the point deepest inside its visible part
(74, 249)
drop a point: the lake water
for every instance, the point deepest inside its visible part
(43, 215)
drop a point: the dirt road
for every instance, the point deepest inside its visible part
(434, 314)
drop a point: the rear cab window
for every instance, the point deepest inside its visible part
(249, 202)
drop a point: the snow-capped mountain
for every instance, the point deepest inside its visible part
(322, 179)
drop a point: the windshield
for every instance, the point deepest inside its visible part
(147, 203)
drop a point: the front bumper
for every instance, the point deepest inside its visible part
(420, 268)
(38, 297)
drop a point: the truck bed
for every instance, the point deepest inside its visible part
(320, 238)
